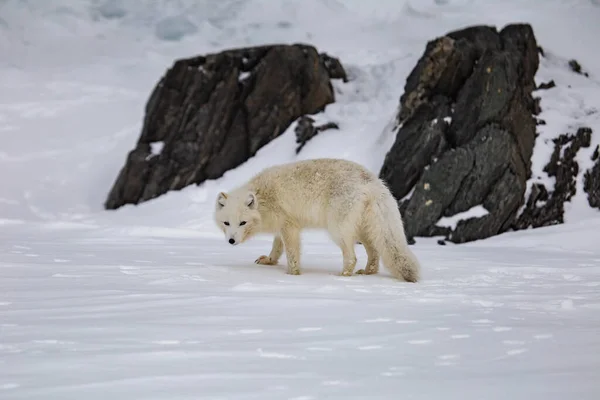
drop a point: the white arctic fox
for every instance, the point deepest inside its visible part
(340, 196)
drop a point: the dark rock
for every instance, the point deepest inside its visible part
(417, 144)
(442, 70)
(334, 67)
(480, 81)
(543, 207)
(591, 181)
(305, 130)
(537, 109)
(547, 85)
(213, 112)
(541, 51)
(576, 67)
(441, 242)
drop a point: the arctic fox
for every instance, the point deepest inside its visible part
(337, 195)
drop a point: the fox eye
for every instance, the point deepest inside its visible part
(226, 223)
(242, 223)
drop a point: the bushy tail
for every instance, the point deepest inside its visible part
(386, 232)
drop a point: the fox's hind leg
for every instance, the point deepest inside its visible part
(372, 260)
(276, 252)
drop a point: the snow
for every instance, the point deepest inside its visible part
(243, 76)
(150, 302)
(473, 212)
(156, 148)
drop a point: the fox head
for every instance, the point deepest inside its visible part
(237, 216)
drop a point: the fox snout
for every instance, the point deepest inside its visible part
(232, 241)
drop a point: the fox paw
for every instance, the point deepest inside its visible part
(366, 271)
(293, 272)
(265, 260)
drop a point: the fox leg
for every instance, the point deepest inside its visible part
(372, 260)
(276, 252)
(291, 240)
(349, 255)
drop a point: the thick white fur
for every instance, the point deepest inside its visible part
(340, 196)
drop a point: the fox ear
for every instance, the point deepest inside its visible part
(221, 199)
(251, 201)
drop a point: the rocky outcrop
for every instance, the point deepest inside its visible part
(591, 181)
(546, 207)
(209, 114)
(466, 130)
(306, 130)
(576, 67)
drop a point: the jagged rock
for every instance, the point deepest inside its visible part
(541, 51)
(591, 180)
(306, 130)
(547, 85)
(576, 67)
(420, 140)
(466, 132)
(210, 113)
(544, 208)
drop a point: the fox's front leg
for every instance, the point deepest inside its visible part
(291, 240)
(275, 255)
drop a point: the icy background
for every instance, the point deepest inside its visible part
(150, 302)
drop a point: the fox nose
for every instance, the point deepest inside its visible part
(232, 241)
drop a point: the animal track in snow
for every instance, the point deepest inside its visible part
(196, 278)
(393, 371)
(372, 347)
(543, 336)
(513, 342)
(53, 341)
(309, 329)
(67, 276)
(334, 383)
(447, 360)
(449, 356)
(167, 342)
(515, 352)
(591, 284)
(377, 320)
(325, 349)
(266, 354)
(250, 331)
(129, 270)
(419, 341)
(460, 336)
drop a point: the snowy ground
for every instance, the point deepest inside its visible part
(150, 302)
